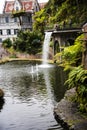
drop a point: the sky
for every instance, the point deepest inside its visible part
(2, 3)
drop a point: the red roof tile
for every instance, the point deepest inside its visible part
(26, 5)
(8, 6)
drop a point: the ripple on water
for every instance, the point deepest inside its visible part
(28, 99)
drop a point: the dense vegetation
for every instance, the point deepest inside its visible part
(26, 41)
(60, 11)
(72, 61)
(7, 43)
(71, 55)
(78, 78)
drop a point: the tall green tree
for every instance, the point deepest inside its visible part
(66, 10)
(40, 21)
(28, 41)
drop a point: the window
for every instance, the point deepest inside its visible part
(0, 40)
(15, 31)
(0, 32)
(36, 9)
(6, 19)
(8, 32)
(15, 19)
(29, 18)
(17, 8)
(0, 20)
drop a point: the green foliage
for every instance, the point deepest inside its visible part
(61, 12)
(72, 55)
(51, 44)
(28, 41)
(7, 43)
(65, 10)
(18, 13)
(40, 21)
(78, 78)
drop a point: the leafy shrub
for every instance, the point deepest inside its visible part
(28, 41)
(7, 43)
(78, 78)
(72, 55)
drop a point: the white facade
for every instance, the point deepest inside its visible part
(9, 26)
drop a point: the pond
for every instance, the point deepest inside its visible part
(31, 92)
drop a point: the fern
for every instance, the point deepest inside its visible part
(78, 78)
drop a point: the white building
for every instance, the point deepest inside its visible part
(9, 26)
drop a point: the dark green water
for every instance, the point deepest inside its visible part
(30, 95)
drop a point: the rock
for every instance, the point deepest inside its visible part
(1, 93)
(66, 113)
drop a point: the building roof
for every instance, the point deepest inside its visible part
(8, 6)
(26, 5)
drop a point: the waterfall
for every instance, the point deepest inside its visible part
(46, 47)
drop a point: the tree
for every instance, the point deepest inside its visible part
(7, 43)
(65, 10)
(40, 21)
(28, 41)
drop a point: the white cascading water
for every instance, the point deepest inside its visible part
(46, 47)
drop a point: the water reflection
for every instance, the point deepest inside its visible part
(48, 85)
(2, 101)
(58, 84)
(29, 97)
